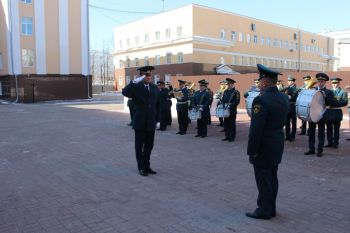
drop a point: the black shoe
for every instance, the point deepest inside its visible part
(273, 214)
(310, 152)
(197, 136)
(335, 146)
(203, 136)
(182, 133)
(143, 172)
(301, 133)
(150, 171)
(348, 139)
(287, 139)
(329, 145)
(292, 139)
(319, 154)
(224, 139)
(231, 140)
(257, 216)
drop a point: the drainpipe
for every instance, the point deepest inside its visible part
(11, 40)
(88, 35)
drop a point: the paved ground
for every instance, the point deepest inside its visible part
(71, 168)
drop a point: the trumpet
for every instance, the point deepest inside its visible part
(311, 83)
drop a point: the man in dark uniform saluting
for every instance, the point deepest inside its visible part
(266, 141)
(146, 99)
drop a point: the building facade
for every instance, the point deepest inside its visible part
(195, 39)
(341, 49)
(44, 40)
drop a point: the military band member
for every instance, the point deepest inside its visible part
(218, 95)
(182, 108)
(211, 99)
(280, 85)
(292, 92)
(146, 98)
(230, 100)
(335, 115)
(170, 103)
(201, 101)
(163, 102)
(304, 123)
(266, 141)
(322, 78)
(255, 87)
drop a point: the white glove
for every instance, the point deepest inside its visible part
(139, 79)
(158, 125)
(201, 109)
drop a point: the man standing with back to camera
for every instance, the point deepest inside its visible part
(145, 96)
(266, 141)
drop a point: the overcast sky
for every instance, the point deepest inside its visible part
(309, 15)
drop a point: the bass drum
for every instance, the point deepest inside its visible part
(310, 105)
(249, 101)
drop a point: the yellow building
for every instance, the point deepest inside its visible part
(42, 39)
(194, 40)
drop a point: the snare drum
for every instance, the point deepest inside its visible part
(249, 101)
(194, 115)
(221, 112)
(310, 105)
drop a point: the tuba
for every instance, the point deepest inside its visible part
(311, 83)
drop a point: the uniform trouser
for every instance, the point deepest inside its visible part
(169, 117)
(131, 110)
(163, 120)
(321, 135)
(182, 118)
(267, 183)
(221, 120)
(291, 118)
(303, 127)
(333, 128)
(202, 126)
(230, 126)
(144, 141)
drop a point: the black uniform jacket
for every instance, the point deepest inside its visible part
(266, 135)
(146, 105)
(202, 99)
(234, 102)
(336, 114)
(163, 98)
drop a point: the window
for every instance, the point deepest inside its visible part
(1, 66)
(146, 38)
(167, 33)
(27, 26)
(233, 35)
(121, 64)
(137, 62)
(128, 43)
(26, 1)
(120, 44)
(127, 61)
(179, 31)
(157, 35)
(240, 36)
(255, 39)
(262, 40)
(286, 44)
(168, 58)
(275, 42)
(120, 81)
(137, 40)
(234, 60)
(252, 27)
(248, 38)
(268, 41)
(180, 57)
(157, 59)
(27, 57)
(223, 34)
(146, 61)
